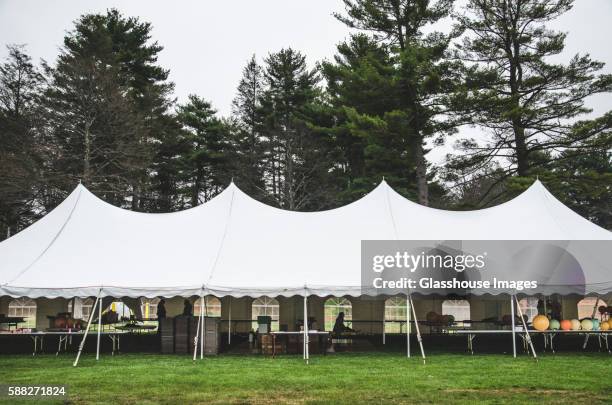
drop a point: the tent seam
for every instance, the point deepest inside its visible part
(222, 243)
(28, 267)
(391, 214)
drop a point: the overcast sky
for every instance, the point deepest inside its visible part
(207, 43)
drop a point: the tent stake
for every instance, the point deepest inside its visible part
(513, 329)
(527, 336)
(416, 325)
(99, 330)
(91, 315)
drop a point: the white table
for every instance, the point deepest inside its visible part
(65, 337)
(547, 334)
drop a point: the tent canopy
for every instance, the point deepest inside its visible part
(235, 245)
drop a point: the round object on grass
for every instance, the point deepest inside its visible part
(554, 325)
(575, 324)
(586, 324)
(566, 324)
(540, 322)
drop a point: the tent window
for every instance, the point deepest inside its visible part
(24, 307)
(529, 307)
(148, 306)
(122, 310)
(395, 314)
(586, 306)
(265, 306)
(333, 306)
(82, 308)
(213, 306)
(460, 309)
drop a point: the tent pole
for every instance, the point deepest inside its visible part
(384, 322)
(306, 354)
(544, 298)
(203, 331)
(528, 337)
(99, 330)
(586, 336)
(229, 323)
(416, 325)
(196, 338)
(513, 331)
(407, 326)
(91, 315)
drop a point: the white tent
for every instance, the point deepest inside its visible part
(234, 245)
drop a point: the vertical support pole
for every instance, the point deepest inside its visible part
(544, 298)
(229, 323)
(527, 336)
(203, 311)
(91, 315)
(513, 329)
(306, 354)
(99, 329)
(586, 335)
(416, 325)
(407, 326)
(384, 322)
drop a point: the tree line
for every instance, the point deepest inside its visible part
(309, 136)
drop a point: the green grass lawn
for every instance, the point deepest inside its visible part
(341, 378)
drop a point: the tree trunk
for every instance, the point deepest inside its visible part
(87, 154)
(522, 159)
(135, 197)
(421, 174)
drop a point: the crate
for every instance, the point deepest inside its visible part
(266, 343)
(212, 335)
(167, 335)
(181, 334)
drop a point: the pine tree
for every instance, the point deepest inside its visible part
(96, 128)
(21, 155)
(207, 161)
(360, 87)
(248, 140)
(111, 42)
(527, 102)
(300, 157)
(424, 76)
